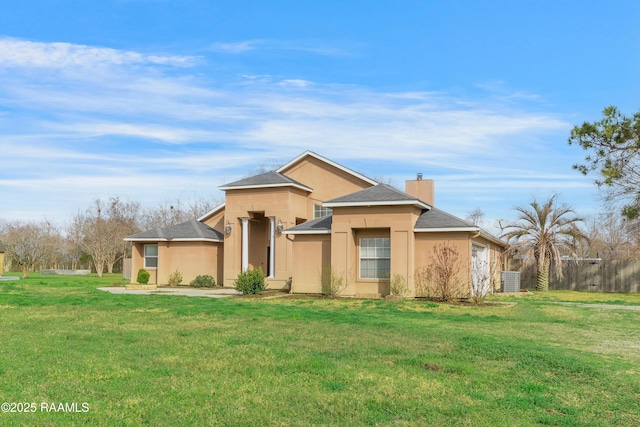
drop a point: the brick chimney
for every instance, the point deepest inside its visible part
(423, 189)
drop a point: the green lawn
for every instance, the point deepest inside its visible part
(177, 361)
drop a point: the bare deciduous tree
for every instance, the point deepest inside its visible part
(29, 243)
(172, 212)
(475, 216)
(100, 231)
(611, 236)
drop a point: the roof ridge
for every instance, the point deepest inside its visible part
(196, 227)
(397, 190)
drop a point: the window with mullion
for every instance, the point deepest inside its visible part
(319, 211)
(150, 256)
(375, 257)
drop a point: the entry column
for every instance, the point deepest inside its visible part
(272, 246)
(245, 244)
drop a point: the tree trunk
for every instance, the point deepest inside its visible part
(25, 271)
(542, 277)
(99, 268)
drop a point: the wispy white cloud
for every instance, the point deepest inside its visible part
(132, 126)
(152, 132)
(24, 53)
(302, 46)
(236, 47)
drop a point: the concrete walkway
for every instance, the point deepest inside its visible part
(186, 292)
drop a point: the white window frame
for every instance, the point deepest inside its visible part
(150, 256)
(373, 257)
(320, 211)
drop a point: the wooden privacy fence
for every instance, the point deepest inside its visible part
(603, 276)
(126, 268)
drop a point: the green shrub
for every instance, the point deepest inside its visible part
(143, 276)
(251, 281)
(175, 278)
(203, 281)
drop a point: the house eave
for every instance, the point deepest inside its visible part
(248, 187)
(416, 203)
(294, 232)
(480, 232)
(446, 229)
(178, 239)
(211, 212)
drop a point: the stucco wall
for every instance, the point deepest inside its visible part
(189, 258)
(312, 257)
(137, 262)
(327, 181)
(352, 223)
(284, 204)
(462, 241)
(216, 221)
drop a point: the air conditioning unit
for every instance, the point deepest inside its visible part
(510, 281)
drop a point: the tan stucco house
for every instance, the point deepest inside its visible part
(308, 217)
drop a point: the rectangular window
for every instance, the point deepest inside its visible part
(319, 211)
(150, 256)
(375, 257)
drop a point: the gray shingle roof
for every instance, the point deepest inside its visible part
(315, 226)
(266, 179)
(436, 218)
(190, 230)
(379, 194)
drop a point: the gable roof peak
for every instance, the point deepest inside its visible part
(317, 156)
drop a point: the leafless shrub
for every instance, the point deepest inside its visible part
(334, 282)
(480, 280)
(398, 286)
(446, 273)
(175, 278)
(423, 282)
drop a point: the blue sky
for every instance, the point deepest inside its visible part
(150, 100)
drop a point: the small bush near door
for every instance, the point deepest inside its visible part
(251, 281)
(143, 276)
(203, 281)
(175, 278)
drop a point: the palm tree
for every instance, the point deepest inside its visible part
(545, 232)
